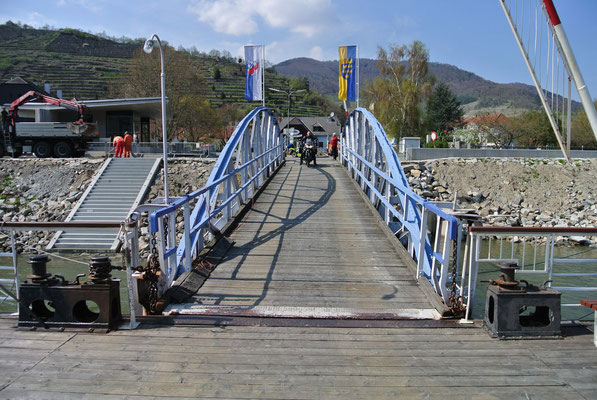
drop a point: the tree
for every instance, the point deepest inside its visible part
(197, 119)
(398, 92)
(183, 78)
(582, 134)
(490, 128)
(217, 74)
(443, 110)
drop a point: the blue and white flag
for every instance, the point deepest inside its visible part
(254, 72)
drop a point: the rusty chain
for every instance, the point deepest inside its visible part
(150, 274)
(455, 302)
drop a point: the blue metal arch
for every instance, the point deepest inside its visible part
(408, 199)
(222, 170)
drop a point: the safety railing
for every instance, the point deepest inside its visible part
(252, 153)
(11, 276)
(177, 149)
(534, 250)
(430, 234)
(80, 227)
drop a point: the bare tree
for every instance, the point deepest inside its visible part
(404, 83)
(183, 79)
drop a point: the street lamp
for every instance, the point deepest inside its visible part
(289, 93)
(148, 47)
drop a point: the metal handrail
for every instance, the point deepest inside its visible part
(369, 157)
(251, 154)
(545, 237)
(81, 226)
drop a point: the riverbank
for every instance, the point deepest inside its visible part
(513, 192)
(47, 190)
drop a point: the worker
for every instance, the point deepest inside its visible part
(334, 146)
(118, 144)
(5, 120)
(128, 141)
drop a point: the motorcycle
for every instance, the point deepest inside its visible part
(309, 154)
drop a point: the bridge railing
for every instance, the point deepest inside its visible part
(252, 153)
(534, 249)
(430, 235)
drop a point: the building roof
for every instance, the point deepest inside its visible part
(486, 119)
(326, 125)
(14, 88)
(150, 106)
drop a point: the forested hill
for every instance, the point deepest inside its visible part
(478, 95)
(84, 66)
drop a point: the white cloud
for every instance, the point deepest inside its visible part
(316, 52)
(90, 5)
(240, 17)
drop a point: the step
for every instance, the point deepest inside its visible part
(110, 199)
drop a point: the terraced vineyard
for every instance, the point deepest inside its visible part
(83, 66)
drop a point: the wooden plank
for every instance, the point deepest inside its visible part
(289, 390)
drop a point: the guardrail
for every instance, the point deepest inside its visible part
(532, 248)
(180, 149)
(252, 153)
(79, 226)
(371, 161)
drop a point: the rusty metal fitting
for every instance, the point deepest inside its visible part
(99, 269)
(38, 267)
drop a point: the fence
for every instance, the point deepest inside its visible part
(178, 149)
(533, 250)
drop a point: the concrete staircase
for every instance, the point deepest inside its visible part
(119, 187)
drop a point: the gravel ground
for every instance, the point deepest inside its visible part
(47, 189)
(512, 192)
(516, 192)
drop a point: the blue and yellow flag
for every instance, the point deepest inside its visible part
(347, 78)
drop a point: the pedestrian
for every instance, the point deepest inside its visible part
(334, 144)
(118, 144)
(5, 120)
(128, 141)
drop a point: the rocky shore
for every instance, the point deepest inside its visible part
(48, 189)
(514, 192)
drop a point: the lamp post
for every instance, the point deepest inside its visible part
(148, 47)
(289, 93)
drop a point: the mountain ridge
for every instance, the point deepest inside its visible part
(477, 94)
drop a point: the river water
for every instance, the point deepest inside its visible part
(69, 269)
(487, 271)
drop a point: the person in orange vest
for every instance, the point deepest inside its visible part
(334, 145)
(118, 144)
(128, 141)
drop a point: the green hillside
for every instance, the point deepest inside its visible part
(477, 95)
(84, 65)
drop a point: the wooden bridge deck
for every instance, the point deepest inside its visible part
(257, 362)
(311, 241)
(296, 250)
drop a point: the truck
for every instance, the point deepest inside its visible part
(48, 139)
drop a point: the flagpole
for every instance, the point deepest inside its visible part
(263, 73)
(358, 78)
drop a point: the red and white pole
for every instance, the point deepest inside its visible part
(583, 91)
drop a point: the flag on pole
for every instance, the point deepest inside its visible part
(254, 72)
(347, 82)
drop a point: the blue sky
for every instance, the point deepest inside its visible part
(470, 34)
